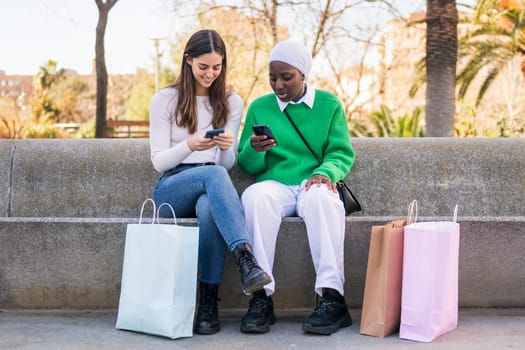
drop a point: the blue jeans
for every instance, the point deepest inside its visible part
(205, 191)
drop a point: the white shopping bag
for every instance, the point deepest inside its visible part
(159, 278)
(429, 305)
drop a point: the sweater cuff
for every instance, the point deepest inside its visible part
(250, 160)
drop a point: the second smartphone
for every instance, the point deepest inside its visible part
(262, 129)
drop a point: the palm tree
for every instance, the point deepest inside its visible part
(498, 36)
(44, 107)
(440, 61)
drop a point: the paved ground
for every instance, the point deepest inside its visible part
(81, 330)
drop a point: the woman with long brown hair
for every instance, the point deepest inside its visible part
(194, 166)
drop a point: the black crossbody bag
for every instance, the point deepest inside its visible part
(349, 200)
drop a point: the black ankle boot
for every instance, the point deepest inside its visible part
(208, 314)
(252, 276)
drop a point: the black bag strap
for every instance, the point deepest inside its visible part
(341, 185)
(301, 135)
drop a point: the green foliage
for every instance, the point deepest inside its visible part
(57, 96)
(496, 39)
(49, 74)
(468, 124)
(507, 127)
(10, 124)
(137, 106)
(358, 129)
(65, 94)
(407, 125)
(484, 59)
(497, 36)
(465, 125)
(85, 131)
(44, 107)
(42, 131)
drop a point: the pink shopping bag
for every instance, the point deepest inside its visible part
(429, 301)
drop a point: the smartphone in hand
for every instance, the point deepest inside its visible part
(211, 133)
(261, 129)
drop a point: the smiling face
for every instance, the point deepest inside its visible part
(205, 69)
(286, 81)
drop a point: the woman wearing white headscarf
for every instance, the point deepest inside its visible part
(292, 181)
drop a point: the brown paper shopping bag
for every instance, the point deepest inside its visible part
(381, 311)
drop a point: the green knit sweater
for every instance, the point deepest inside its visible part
(290, 162)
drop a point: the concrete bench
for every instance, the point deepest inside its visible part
(64, 206)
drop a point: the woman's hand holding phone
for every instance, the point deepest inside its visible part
(224, 140)
(199, 143)
(262, 139)
(217, 137)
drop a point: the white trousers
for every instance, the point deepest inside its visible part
(266, 203)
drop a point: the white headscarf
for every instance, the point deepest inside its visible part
(294, 54)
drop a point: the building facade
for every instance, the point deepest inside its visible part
(16, 86)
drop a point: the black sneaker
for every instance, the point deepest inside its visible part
(260, 314)
(328, 316)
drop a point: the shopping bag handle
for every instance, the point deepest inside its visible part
(412, 212)
(142, 210)
(455, 213)
(172, 211)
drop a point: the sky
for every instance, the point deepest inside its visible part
(34, 31)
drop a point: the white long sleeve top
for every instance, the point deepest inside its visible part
(168, 142)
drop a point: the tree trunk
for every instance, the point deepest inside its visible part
(441, 58)
(100, 66)
(273, 21)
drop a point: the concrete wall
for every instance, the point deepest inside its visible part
(65, 205)
(6, 149)
(80, 178)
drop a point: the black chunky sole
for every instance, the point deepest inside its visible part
(344, 321)
(253, 328)
(207, 331)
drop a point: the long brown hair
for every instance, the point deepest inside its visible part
(200, 43)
